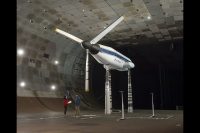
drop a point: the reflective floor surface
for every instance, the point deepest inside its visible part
(140, 121)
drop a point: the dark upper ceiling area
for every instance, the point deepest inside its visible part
(87, 18)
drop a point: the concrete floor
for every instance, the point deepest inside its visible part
(140, 121)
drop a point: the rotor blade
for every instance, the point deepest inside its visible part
(108, 29)
(69, 35)
(87, 71)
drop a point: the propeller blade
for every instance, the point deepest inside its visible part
(70, 36)
(108, 29)
(87, 71)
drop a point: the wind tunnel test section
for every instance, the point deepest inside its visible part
(123, 58)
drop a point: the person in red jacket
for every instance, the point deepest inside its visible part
(66, 101)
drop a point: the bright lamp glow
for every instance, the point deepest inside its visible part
(20, 52)
(56, 62)
(22, 84)
(53, 87)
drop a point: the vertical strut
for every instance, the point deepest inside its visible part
(108, 97)
(130, 99)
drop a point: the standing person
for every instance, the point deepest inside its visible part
(65, 104)
(77, 105)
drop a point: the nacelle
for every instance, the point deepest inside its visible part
(93, 48)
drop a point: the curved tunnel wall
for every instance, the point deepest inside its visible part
(37, 69)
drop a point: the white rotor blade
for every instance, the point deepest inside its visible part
(108, 29)
(87, 71)
(70, 36)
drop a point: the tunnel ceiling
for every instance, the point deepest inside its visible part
(86, 18)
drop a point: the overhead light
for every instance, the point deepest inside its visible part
(31, 21)
(22, 84)
(20, 52)
(149, 17)
(53, 87)
(29, 1)
(44, 10)
(56, 62)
